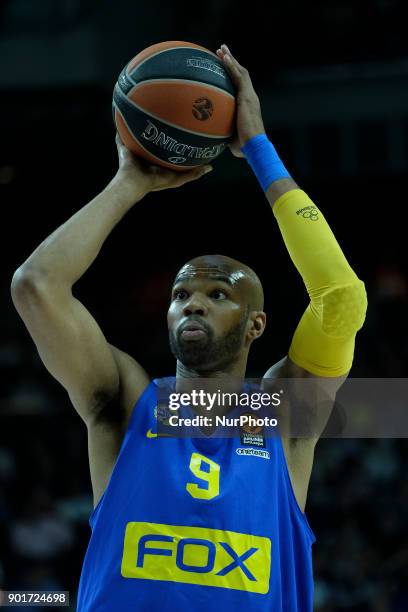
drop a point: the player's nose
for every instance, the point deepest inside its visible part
(195, 305)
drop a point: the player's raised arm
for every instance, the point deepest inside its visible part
(68, 339)
(323, 344)
(103, 382)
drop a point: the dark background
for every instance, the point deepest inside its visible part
(333, 82)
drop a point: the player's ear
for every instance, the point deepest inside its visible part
(257, 323)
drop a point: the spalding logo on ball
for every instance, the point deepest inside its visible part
(174, 105)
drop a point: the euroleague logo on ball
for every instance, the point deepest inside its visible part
(203, 109)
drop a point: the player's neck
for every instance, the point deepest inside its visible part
(210, 382)
(235, 370)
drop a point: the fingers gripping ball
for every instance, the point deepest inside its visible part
(174, 105)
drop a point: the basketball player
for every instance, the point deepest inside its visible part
(182, 523)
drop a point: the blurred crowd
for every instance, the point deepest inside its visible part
(357, 501)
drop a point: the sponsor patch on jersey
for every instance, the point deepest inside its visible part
(162, 413)
(197, 555)
(253, 452)
(252, 436)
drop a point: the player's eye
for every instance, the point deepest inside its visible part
(180, 294)
(217, 294)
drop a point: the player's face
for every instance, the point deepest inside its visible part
(207, 320)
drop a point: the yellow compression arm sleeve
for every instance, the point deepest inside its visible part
(323, 343)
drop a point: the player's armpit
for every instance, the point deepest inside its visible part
(306, 405)
(108, 425)
(133, 380)
(308, 401)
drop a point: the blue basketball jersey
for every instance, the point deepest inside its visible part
(189, 523)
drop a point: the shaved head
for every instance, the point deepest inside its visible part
(231, 271)
(215, 313)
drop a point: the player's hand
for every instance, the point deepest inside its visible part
(249, 118)
(139, 177)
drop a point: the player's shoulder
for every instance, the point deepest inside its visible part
(278, 370)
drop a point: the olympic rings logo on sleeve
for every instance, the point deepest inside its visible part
(309, 212)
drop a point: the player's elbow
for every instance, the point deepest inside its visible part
(29, 279)
(24, 280)
(344, 309)
(22, 283)
(28, 286)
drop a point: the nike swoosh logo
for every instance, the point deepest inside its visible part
(150, 434)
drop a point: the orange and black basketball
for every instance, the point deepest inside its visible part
(174, 105)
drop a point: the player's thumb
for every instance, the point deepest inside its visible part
(197, 173)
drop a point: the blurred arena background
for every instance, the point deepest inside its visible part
(333, 82)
